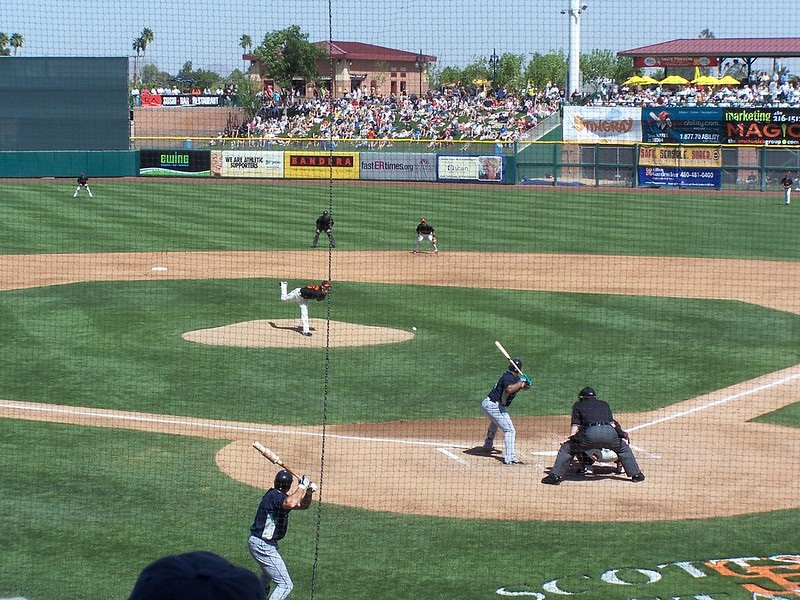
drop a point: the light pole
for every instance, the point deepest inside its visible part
(494, 60)
(419, 63)
(574, 11)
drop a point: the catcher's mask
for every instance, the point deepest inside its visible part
(283, 480)
(586, 392)
(326, 284)
(516, 361)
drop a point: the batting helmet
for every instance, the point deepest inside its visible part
(283, 480)
(586, 392)
(516, 361)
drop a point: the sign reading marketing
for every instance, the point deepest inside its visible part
(763, 126)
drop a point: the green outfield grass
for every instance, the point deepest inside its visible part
(84, 509)
(119, 345)
(218, 215)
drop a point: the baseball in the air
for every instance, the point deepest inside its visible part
(413, 329)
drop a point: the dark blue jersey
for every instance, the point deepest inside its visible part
(272, 519)
(499, 394)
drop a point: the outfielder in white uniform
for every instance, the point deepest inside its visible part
(83, 183)
(302, 296)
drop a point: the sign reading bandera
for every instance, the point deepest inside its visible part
(321, 165)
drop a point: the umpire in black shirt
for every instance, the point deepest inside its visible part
(593, 426)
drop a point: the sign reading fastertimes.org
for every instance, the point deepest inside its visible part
(398, 166)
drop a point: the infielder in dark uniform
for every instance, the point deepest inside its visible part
(270, 525)
(425, 230)
(324, 223)
(83, 183)
(593, 426)
(495, 406)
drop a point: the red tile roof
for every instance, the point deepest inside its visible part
(722, 48)
(361, 51)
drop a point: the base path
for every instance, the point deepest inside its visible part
(699, 461)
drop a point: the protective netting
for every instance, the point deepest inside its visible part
(469, 179)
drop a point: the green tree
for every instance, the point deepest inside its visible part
(244, 43)
(287, 54)
(509, 72)
(152, 76)
(547, 68)
(707, 34)
(598, 66)
(248, 96)
(3, 43)
(16, 41)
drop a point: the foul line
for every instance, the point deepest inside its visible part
(208, 425)
(702, 407)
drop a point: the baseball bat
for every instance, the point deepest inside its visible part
(273, 458)
(505, 353)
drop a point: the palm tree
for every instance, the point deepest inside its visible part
(138, 46)
(17, 41)
(244, 43)
(146, 37)
(3, 43)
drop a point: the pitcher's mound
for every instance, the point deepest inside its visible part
(286, 333)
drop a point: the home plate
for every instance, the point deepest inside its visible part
(158, 268)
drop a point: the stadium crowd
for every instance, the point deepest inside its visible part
(453, 115)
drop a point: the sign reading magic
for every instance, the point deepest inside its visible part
(322, 165)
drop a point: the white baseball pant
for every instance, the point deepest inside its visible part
(294, 296)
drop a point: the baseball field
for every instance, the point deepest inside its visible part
(145, 348)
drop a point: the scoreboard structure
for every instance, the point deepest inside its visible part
(64, 103)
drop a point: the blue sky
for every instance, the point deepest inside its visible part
(207, 32)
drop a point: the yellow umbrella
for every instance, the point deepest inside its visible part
(728, 80)
(639, 80)
(705, 80)
(674, 80)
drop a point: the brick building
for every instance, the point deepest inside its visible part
(357, 66)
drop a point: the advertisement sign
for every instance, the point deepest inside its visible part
(488, 169)
(163, 163)
(763, 126)
(189, 100)
(696, 125)
(604, 124)
(680, 156)
(321, 165)
(684, 177)
(250, 163)
(646, 62)
(398, 166)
